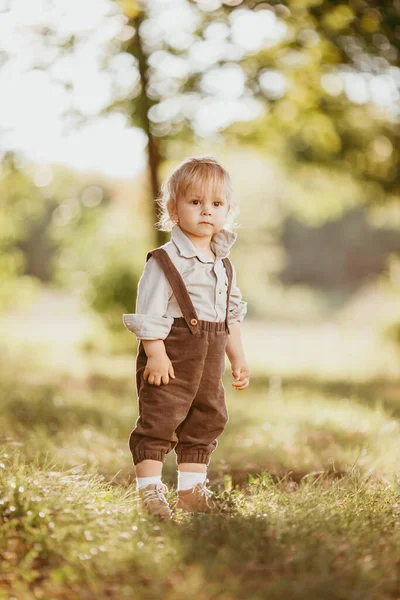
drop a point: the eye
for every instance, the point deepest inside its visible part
(216, 202)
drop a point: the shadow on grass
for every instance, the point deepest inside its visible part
(282, 474)
(295, 561)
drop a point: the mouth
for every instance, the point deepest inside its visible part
(205, 223)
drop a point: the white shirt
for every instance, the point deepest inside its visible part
(206, 282)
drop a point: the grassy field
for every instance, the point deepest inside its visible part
(308, 469)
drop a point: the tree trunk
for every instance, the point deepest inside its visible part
(143, 105)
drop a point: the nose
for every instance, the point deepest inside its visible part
(206, 211)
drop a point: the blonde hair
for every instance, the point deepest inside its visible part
(199, 172)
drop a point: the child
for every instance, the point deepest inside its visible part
(188, 315)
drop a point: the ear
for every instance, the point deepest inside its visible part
(174, 214)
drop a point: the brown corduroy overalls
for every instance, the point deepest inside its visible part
(190, 412)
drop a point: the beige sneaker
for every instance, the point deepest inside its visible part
(197, 499)
(154, 502)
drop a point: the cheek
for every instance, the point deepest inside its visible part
(181, 209)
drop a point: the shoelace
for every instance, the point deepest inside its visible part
(156, 493)
(203, 489)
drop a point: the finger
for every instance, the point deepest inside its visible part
(145, 374)
(242, 384)
(171, 371)
(151, 379)
(165, 378)
(242, 387)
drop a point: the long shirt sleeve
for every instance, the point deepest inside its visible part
(237, 306)
(150, 322)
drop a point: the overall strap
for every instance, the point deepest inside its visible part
(229, 272)
(178, 287)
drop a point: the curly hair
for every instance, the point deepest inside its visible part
(199, 173)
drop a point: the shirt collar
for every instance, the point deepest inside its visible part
(221, 243)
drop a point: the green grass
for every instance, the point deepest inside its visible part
(308, 471)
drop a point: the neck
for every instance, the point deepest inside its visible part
(200, 242)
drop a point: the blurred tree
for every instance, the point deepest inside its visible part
(350, 252)
(15, 191)
(330, 89)
(312, 82)
(307, 82)
(43, 215)
(317, 83)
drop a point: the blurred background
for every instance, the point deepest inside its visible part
(99, 101)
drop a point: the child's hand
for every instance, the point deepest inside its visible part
(158, 369)
(241, 373)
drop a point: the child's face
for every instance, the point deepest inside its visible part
(194, 210)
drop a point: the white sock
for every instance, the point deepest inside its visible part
(143, 481)
(187, 480)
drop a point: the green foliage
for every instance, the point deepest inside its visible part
(60, 234)
(43, 227)
(112, 292)
(319, 119)
(20, 205)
